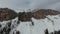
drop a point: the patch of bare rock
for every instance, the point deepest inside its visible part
(25, 16)
(42, 13)
(7, 14)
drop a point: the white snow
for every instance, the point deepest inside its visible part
(39, 25)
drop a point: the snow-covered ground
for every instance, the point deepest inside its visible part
(40, 25)
(52, 23)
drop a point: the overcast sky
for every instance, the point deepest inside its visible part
(31, 4)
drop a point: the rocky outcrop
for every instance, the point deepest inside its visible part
(25, 16)
(42, 13)
(38, 14)
(7, 14)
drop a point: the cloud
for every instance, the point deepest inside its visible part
(32, 4)
(14, 3)
(43, 3)
(55, 6)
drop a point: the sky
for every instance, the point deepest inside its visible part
(31, 4)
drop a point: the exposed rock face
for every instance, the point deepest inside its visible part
(42, 13)
(7, 14)
(25, 16)
(38, 14)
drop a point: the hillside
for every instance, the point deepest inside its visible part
(46, 21)
(7, 14)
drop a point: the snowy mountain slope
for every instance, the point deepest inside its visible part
(50, 20)
(40, 25)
